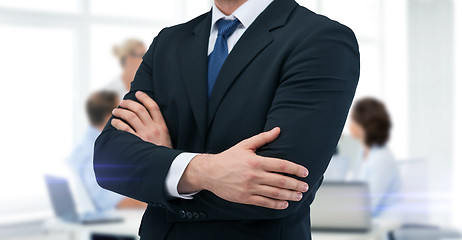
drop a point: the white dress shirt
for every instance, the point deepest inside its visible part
(246, 13)
(81, 163)
(380, 171)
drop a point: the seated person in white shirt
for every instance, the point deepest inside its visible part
(98, 108)
(370, 124)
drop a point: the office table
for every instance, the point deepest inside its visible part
(55, 229)
(128, 227)
(379, 231)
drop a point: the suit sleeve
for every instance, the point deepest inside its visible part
(124, 163)
(311, 103)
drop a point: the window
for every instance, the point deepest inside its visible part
(37, 134)
(154, 10)
(55, 52)
(64, 6)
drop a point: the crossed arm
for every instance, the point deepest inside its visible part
(237, 175)
(316, 90)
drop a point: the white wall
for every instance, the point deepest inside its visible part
(457, 186)
(431, 97)
(395, 73)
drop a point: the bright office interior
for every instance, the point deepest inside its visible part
(55, 53)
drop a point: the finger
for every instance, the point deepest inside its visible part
(268, 202)
(130, 117)
(281, 181)
(284, 166)
(120, 125)
(261, 139)
(151, 105)
(278, 193)
(138, 109)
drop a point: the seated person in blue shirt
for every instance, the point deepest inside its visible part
(370, 124)
(98, 107)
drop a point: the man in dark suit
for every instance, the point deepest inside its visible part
(226, 115)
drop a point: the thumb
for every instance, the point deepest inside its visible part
(261, 139)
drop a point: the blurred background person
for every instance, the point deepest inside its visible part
(98, 107)
(370, 125)
(129, 55)
(338, 167)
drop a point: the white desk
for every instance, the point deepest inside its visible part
(342, 236)
(58, 230)
(379, 231)
(128, 227)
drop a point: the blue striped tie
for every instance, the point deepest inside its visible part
(220, 52)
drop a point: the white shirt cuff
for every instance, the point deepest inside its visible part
(175, 172)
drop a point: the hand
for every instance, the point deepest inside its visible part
(239, 175)
(144, 120)
(130, 203)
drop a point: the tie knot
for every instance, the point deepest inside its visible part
(227, 27)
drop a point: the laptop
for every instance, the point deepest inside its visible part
(64, 207)
(341, 206)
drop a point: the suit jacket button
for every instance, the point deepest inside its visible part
(196, 215)
(202, 215)
(188, 214)
(182, 214)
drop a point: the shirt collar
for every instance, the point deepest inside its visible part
(246, 13)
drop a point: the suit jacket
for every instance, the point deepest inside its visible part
(292, 68)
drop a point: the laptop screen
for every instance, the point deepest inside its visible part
(61, 197)
(342, 206)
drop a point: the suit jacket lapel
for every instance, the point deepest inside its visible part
(256, 38)
(193, 61)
